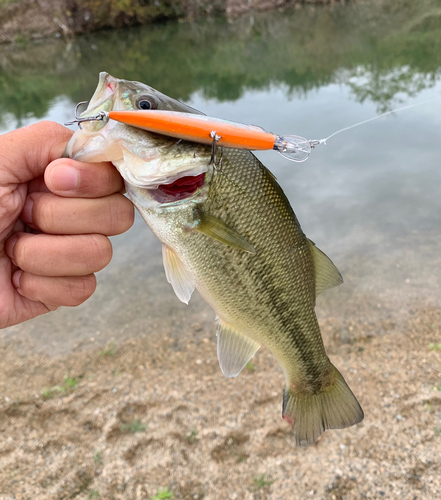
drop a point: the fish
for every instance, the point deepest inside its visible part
(228, 230)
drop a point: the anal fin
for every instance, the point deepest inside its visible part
(234, 349)
(177, 275)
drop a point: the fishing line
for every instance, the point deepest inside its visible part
(195, 128)
(379, 116)
(298, 149)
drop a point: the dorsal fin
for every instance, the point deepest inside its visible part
(326, 274)
(234, 349)
(178, 277)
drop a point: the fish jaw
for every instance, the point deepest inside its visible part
(94, 140)
(107, 85)
(143, 159)
(92, 148)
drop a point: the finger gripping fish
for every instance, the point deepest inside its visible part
(230, 232)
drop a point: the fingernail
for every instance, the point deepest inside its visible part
(10, 244)
(26, 214)
(64, 178)
(16, 278)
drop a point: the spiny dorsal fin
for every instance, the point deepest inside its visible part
(326, 274)
(215, 228)
(234, 349)
(179, 278)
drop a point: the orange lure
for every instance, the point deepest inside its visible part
(204, 129)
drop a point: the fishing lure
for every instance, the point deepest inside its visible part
(218, 132)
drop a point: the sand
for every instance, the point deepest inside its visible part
(122, 420)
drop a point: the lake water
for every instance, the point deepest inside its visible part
(370, 199)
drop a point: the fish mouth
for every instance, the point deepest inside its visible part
(104, 99)
(89, 143)
(182, 188)
(107, 86)
(186, 189)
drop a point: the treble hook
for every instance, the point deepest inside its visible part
(78, 119)
(216, 138)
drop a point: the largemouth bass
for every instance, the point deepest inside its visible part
(228, 230)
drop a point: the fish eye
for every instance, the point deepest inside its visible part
(146, 102)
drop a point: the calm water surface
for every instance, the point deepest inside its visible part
(370, 198)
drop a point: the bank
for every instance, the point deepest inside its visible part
(34, 19)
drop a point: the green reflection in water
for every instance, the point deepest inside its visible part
(383, 52)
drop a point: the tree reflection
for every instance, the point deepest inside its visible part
(383, 53)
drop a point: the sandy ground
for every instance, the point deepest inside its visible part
(124, 420)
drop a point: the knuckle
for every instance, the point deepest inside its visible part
(44, 215)
(27, 284)
(81, 289)
(49, 127)
(121, 214)
(55, 131)
(100, 251)
(23, 255)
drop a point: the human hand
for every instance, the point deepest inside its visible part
(55, 216)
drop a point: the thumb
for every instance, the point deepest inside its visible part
(26, 152)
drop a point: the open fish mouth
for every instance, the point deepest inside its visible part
(183, 187)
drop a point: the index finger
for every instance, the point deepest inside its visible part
(25, 152)
(71, 178)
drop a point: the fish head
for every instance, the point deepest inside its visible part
(144, 159)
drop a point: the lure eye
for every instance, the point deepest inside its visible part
(146, 102)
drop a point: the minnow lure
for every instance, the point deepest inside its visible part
(207, 130)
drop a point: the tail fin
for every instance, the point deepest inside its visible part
(335, 407)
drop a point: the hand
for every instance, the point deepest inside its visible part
(55, 216)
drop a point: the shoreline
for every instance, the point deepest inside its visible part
(25, 20)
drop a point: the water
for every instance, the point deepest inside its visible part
(369, 199)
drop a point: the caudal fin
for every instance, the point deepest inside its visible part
(335, 407)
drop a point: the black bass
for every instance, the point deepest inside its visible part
(228, 230)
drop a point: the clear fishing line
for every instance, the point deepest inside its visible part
(292, 147)
(298, 149)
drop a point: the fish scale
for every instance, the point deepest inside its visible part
(234, 237)
(275, 286)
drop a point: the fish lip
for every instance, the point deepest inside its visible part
(105, 91)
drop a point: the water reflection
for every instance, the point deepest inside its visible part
(382, 54)
(370, 199)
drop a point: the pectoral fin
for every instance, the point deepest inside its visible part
(326, 274)
(217, 229)
(179, 278)
(234, 349)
